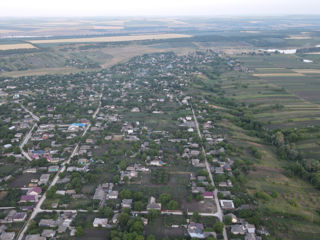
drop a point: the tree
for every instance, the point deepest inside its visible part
(172, 205)
(151, 237)
(137, 226)
(138, 206)
(196, 216)
(227, 220)
(164, 198)
(153, 214)
(278, 139)
(125, 194)
(79, 231)
(123, 218)
(218, 227)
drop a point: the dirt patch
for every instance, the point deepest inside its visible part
(215, 106)
(94, 234)
(3, 194)
(117, 137)
(23, 180)
(205, 206)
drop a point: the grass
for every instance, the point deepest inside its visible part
(268, 175)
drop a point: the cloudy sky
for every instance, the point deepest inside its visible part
(22, 8)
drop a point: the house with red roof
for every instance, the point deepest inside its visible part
(35, 191)
(207, 195)
(28, 198)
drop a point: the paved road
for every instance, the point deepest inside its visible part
(31, 113)
(25, 141)
(28, 136)
(219, 213)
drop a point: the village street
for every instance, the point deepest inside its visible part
(219, 213)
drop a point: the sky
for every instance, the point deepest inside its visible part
(120, 8)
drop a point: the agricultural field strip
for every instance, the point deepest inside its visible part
(277, 74)
(16, 46)
(113, 39)
(306, 71)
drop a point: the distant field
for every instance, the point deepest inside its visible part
(108, 27)
(16, 46)
(277, 74)
(307, 71)
(298, 37)
(113, 39)
(42, 71)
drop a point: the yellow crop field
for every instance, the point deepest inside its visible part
(298, 37)
(113, 39)
(277, 74)
(307, 71)
(16, 46)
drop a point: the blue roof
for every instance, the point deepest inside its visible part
(38, 152)
(78, 124)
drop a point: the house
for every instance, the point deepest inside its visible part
(201, 178)
(219, 170)
(44, 179)
(153, 205)
(208, 195)
(226, 204)
(157, 163)
(28, 198)
(7, 235)
(83, 161)
(144, 220)
(34, 237)
(48, 223)
(115, 218)
(195, 153)
(238, 229)
(30, 170)
(126, 203)
(54, 168)
(100, 222)
(26, 208)
(99, 193)
(251, 236)
(35, 191)
(19, 217)
(251, 228)
(48, 233)
(61, 192)
(113, 195)
(195, 230)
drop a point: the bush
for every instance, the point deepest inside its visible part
(262, 195)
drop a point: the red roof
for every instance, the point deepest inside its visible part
(26, 198)
(208, 194)
(34, 189)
